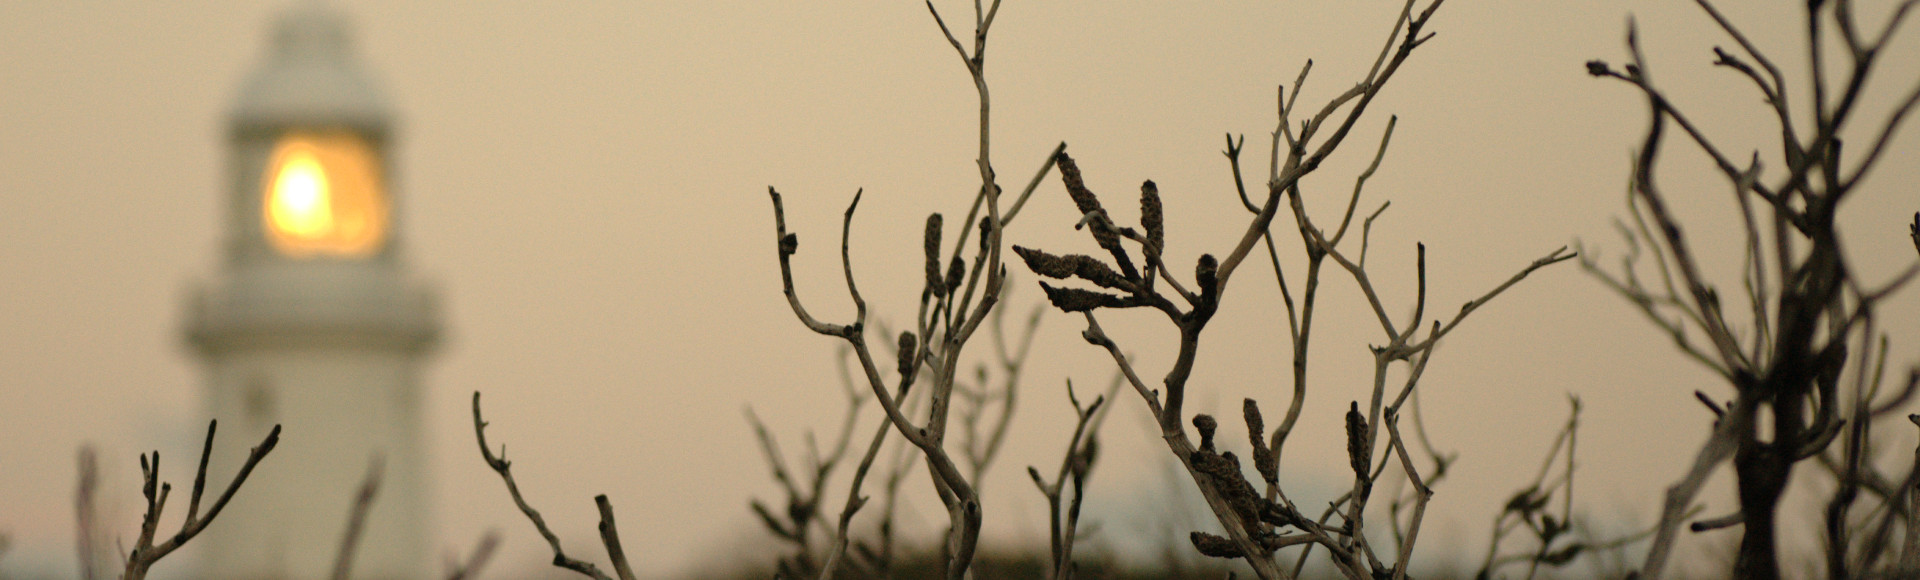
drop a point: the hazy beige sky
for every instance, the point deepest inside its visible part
(586, 184)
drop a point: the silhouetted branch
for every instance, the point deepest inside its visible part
(357, 518)
(1421, 494)
(948, 314)
(1811, 316)
(980, 450)
(465, 570)
(803, 500)
(87, 517)
(501, 466)
(1249, 536)
(923, 437)
(1556, 543)
(145, 552)
(1077, 463)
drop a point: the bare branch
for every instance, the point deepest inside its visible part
(475, 561)
(787, 244)
(145, 552)
(357, 517)
(500, 465)
(86, 515)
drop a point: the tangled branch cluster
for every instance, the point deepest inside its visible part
(1808, 373)
(1813, 331)
(1255, 523)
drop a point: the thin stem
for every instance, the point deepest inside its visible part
(501, 466)
(357, 517)
(145, 552)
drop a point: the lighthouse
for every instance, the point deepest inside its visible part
(312, 321)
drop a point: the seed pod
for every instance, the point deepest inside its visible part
(1077, 300)
(1521, 500)
(1205, 271)
(1215, 546)
(934, 283)
(1279, 515)
(1206, 275)
(799, 512)
(986, 227)
(1151, 218)
(1089, 205)
(1256, 426)
(1206, 425)
(1043, 263)
(1264, 459)
(909, 353)
(1095, 271)
(1083, 461)
(955, 271)
(1357, 440)
(1076, 187)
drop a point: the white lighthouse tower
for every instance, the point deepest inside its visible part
(312, 322)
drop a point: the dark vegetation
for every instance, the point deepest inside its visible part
(1796, 339)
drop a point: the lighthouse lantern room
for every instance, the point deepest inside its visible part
(312, 322)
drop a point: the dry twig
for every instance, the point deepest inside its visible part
(87, 517)
(145, 552)
(609, 534)
(1077, 463)
(948, 314)
(357, 518)
(469, 568)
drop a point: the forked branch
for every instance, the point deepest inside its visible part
(145, 552)
(609, 535)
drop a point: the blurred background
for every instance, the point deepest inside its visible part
(585, 184)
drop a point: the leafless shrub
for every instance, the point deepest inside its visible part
(146, 553)
(1808, 373)
(1256, 523)
(947, 320)
(985, 411)
(1252, 521)
(804, 498)
(965, 283)
(984, 433)
(1556, 540)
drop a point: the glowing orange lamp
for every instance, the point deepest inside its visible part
(324, 196)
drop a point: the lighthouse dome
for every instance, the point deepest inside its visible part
(310, 78)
